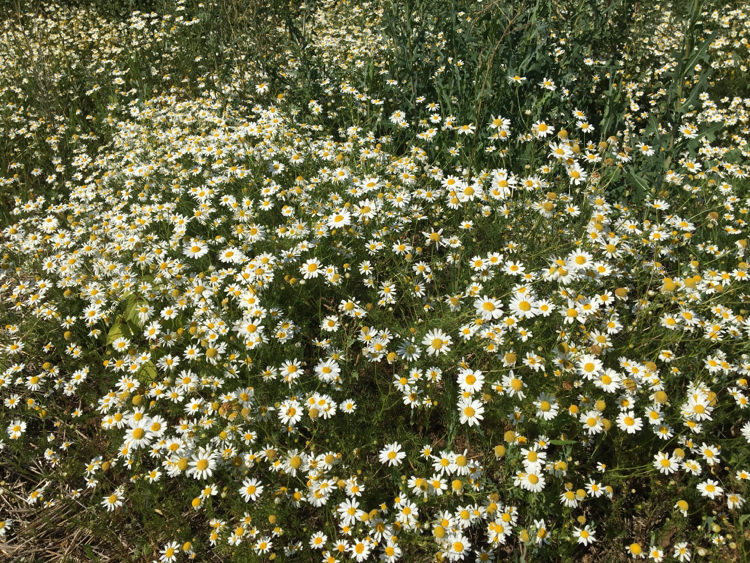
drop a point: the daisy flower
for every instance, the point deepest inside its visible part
(584, 535)
(635, 551)
(339, 218)
(360, 550)
(488, 308)
(655, 554)
(318, 540)
(408, 350)
(609, 381)
(311, 268)
(202, 464)
(251, 490)
(457, 547)
(290, 412)
(513, 385)
(113, 501)
(444, 464)
(392, 455)
(349, 511)
(542, 535)
(470, 381)
(263, 545)
(540, 129)
(589, 366)
(681, 552)
(532, 481)
(330, 323)
(710, 488)
(499, 122)
(391, 552)
(15, 429)
(735, 501)
(548, 84)
(666, 464)
(577, 174)
(231, 255)
(628, 422)
(471, 411)
(710, 453)
(195, 250)
(568, 499)
(169, 552)
(533, 459)
(692, 466)
(546, 406)
(592, 422)
(348, 406)
(523, 306)
(137, 436)
(437, 342)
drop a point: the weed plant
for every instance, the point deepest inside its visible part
(393, 280)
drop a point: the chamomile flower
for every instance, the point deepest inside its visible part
(585, 535)
(628, 422)
(735, 501)
(470, 381)
(710, 488)
(437, 342)
(392, 455)
(169, 552)
(471, 411)
(547, 406)
(110, 502)
(513, 385)
(666, 464)
(311, 268)
(196, 249)
(488, 308)
(530, 481)
(202, 464)
(15, 429)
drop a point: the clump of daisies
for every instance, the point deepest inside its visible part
(283, 327)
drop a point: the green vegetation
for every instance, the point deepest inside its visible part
(400, 280)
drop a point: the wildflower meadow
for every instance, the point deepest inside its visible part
(386, 280)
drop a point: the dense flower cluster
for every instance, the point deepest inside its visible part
(235, 294)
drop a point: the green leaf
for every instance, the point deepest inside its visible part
(133, 327)
(699, 52)
(91, 554)
(131, 309)
(147, 374)
(115, 331)
(641, 186)
(562, 442)
(709, 133)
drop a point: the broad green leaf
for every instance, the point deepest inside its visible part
(147, 374)
(114, 333)
(131, 310)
